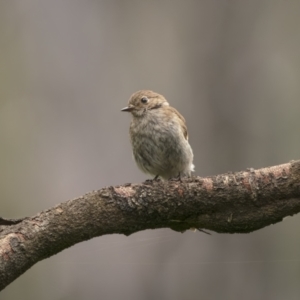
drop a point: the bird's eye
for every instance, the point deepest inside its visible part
(144, 99)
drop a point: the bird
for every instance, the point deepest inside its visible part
(159, 137)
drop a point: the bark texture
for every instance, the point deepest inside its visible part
(230, 203)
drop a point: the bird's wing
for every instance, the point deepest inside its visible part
(181, 121)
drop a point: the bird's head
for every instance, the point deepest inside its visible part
(142, 101)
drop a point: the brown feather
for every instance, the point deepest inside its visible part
(181, 121)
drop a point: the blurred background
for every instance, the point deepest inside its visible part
(231, 68)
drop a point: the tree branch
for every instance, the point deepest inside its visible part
(230, 203)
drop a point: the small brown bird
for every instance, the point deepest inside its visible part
(159, 137)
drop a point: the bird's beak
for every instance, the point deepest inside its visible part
(128, 108)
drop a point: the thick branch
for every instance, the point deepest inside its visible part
(231, 203)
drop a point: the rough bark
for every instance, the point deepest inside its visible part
(230, 203)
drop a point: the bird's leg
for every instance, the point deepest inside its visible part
(176, 178)
(156, 177)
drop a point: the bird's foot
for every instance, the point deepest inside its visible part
(176, 178)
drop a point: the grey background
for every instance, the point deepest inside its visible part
(67, 68)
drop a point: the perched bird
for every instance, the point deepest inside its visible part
(159, 137)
